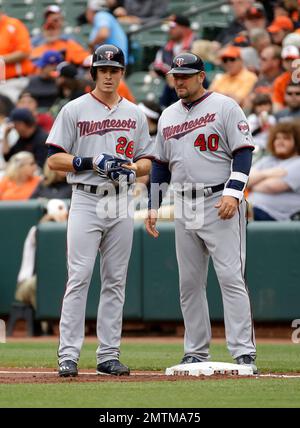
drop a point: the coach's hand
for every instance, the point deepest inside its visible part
(150, 223)
(131, 166)
(227, 207)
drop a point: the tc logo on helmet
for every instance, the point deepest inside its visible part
(179, 62)
(109, 55)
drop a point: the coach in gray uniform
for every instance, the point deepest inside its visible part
(204, 145)
(102, 141)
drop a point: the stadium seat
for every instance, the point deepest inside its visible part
(144, 86)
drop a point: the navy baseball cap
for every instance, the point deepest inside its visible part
(49, 58)
(186, 63)
(67, 69)
(22, 115)
(180, 20)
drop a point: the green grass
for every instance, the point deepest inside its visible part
(145, 356)
(262, 392)
(198, 394)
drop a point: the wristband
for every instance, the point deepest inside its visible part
(82, 164)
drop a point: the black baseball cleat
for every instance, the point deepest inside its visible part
(248, 360)
(113, 367)
(68, 368)
(188, 359)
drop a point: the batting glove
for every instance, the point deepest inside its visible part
(104, 164)
(123, 175)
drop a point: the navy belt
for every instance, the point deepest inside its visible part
(208, 191)
(90, 188)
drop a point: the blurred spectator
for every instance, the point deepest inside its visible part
(259, 39)
(42, 86)
(53, 186)
(239, 9)
(125, 92)
(20, 179)
(274, 180)
(6, 107)
(180, 37)
(14, 51)
(31, 136)
(152, 112)
(280, 9)
(28, 101)
(279, 28)
(237, 81)
(54, 39)
(208, 52)
(288, 55)
(57, 211)
(292, 101)
(139, 11)
(292, 39)
(106, 28)
(255, 17)
(70, 86)
(270, 69)
(53, 26)
(288, 8)
(261, 119)
(112, 5)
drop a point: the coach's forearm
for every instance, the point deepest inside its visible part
(143, 167)
(61, 162)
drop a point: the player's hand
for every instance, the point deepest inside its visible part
(150, 223)
(227, 207)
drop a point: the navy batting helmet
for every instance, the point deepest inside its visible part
(186, 63)
(107, 55)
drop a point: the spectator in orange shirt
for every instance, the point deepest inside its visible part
(14, 50)
(288, 55)
(237, 82)
(54, 39)
(125, 92)
(20, 180)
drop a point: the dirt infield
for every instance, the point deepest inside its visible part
(47, 376)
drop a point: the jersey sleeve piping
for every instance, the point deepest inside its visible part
(56, 145)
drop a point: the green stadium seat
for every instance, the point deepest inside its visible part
(144, 86)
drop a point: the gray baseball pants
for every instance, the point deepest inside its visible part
(225, 242)
(88, 233)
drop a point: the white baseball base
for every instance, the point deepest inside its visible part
(209, 369)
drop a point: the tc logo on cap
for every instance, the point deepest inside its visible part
(179, 62)
(108, 55)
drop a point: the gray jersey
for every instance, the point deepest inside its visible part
(87, 127)
(284, 204)
(198, 142)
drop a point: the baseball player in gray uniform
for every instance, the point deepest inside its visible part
(102, 141)
(204, 142)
